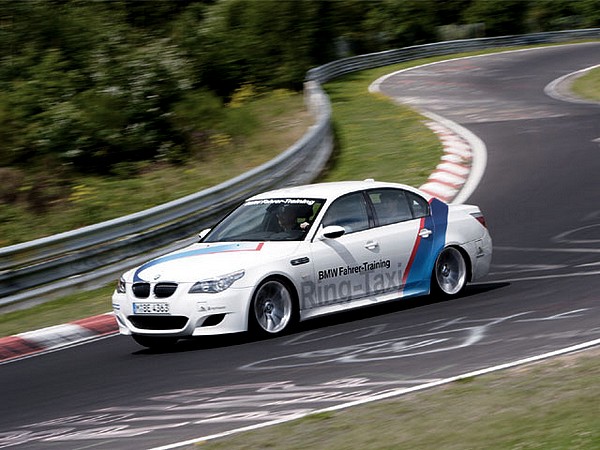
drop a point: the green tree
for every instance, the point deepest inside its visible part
(84, 89)
(551, 15)
(505, 17)
(590, 11)
(268, 44)
(396, 23)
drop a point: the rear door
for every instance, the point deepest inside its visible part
(408, 236)
(430, 240)
(397, 230)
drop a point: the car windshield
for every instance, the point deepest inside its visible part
(274, 219)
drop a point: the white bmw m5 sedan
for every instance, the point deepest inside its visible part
(300, 252)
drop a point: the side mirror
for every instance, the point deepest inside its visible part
(332, 232)
(203, 233)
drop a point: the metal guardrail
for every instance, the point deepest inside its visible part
(95, 254)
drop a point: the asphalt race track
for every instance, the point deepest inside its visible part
(541, 197)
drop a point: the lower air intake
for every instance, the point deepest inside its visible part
(159, 323)
(213, 320)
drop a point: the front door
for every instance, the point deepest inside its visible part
(342, 265)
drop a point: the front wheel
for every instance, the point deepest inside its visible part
(273, 308)
(449, 273)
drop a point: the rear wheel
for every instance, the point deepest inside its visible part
(449, 273)
(155, 342)
(273, 308)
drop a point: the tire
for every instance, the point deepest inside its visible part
(273, 309)
(449, 276)
(155, 342)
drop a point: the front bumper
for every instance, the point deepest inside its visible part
(188, 314)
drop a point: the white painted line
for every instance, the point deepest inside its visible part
(592, 264)
(453, 159)
(547, 277)
(553, 90)
(441, 186)
(548, 249)
(440, 190)
(447, 178)
(59, 348)
(386, 395)
(458, 145)
(456, 169)
(464, 152)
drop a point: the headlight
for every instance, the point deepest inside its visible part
(121, 286)
(214, 285)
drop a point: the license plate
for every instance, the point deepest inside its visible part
(151, 308)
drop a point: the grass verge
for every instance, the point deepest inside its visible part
(588, 85)
(65, 309)
(379, 139)
(549, 405)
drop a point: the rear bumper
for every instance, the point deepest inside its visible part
(483, 257)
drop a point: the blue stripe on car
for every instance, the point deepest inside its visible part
(429, 248)
(196, 252)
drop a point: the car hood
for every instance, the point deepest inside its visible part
(203, 261)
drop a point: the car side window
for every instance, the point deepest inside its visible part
(350, 212)
(418, 205)
(391, 205)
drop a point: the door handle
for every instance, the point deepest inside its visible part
(371, 245)
(425, 233)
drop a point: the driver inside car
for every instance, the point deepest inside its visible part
(287, 219)
(293, 218)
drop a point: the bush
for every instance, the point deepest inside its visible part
(11, 184)
(90, 108)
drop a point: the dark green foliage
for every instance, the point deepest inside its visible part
(90, 86)
(505, 17)
(551, 15)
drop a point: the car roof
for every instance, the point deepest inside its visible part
(331, 190)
